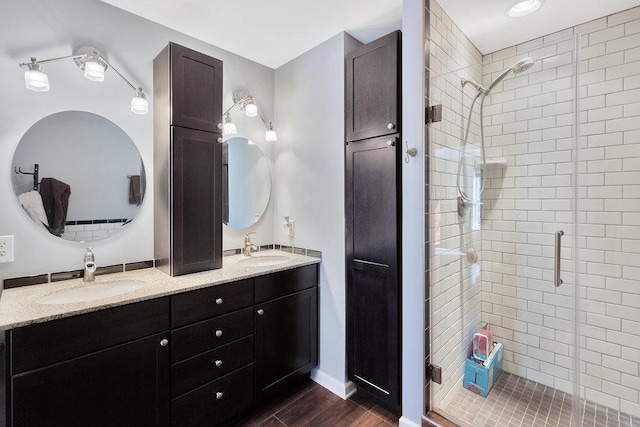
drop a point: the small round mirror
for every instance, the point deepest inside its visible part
(78, 176)
(246, 183)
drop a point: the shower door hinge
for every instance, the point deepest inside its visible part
(433, 113)
(434, 373)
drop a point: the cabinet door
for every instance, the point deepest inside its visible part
(373, 92)
(196, 201)
(373, 242)
(124, 385)
(196, 89)
(286, 340)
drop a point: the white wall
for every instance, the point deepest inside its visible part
(309, 187)
(413, 204)
(55, 28)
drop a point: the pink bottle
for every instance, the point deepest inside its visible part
(482, 344)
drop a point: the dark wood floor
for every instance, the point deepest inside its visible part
(312, 405)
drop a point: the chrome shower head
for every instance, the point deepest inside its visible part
(519, 67)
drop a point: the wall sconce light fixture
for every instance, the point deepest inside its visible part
(90, 60)
(245, 102)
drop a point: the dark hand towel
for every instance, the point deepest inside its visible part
(135, 193)
(55, 199)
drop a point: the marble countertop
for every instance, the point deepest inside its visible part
(20, 306)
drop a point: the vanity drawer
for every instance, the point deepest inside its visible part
(204, 303)
(194, 339)
(216, 401)
(285, 282)
(43, 344)
(213, 364)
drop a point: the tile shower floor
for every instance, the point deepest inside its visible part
(516, 401)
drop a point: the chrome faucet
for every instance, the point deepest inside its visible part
(248, 246)
(89, 266)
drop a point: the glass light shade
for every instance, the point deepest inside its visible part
(523, 8)
(139, 105)
(94, 71)
(36, 81)
(229, 128)
(251, 110)
(270, 135)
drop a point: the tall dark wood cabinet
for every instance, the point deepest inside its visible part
(373, 219)
(187, 108)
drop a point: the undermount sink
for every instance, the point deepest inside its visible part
(92, 292)
(263, 260)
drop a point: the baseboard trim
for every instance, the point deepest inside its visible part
(339, 388)
(406, 422)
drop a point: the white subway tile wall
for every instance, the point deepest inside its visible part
(528, 121)
(455, 284)
(531, 198)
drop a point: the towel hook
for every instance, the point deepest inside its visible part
(411, 152)
(36, 167)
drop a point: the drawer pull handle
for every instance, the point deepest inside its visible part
(219, 395)
(219, 301)
(260, 312)
(218, 363)
(164, 342)
(219, 333)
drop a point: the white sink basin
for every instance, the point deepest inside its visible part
(263, 260)
(92, 292)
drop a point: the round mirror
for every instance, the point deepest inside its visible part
(246, 183)
(78, 175)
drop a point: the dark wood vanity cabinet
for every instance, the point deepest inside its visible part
(286, 328)
(193, 359)
(373, 219)
(212, 354)
(187, 111)
(373, 89)
(106, 368)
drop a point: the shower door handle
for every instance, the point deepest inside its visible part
(557, 281)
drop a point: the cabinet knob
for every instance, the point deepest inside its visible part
(391, 143)
(219, 139)
(219, 395)
(220, 126)
(260, 312)
(164, 342)
(218, 362)
(391, 126)
(219, 333)
(219, 301)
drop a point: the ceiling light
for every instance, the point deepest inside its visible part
(93, 63)
(34, 79)
(271, 135)
(229, 128)
(139, 103)
(523, 8)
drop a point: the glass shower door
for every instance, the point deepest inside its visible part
(521, 226)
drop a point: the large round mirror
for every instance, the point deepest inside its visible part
(246, 183)
(78, 176)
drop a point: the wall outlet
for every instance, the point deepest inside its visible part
(6, 248)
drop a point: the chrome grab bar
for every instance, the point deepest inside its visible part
(557, 281)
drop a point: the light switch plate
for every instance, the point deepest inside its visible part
(6, 248)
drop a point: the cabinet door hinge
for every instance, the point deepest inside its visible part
(434, 373)
(433, 113)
